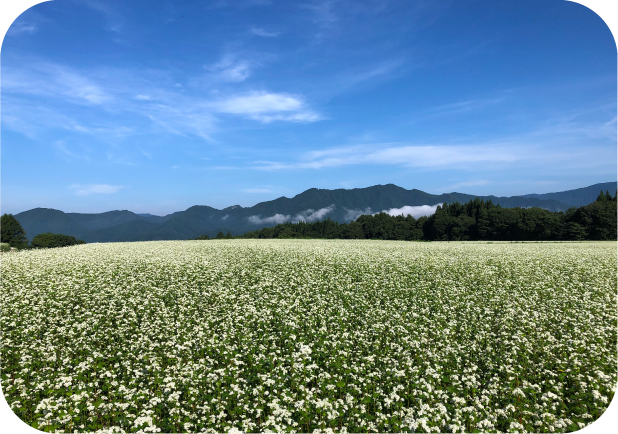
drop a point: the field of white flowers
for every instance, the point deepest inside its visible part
(306, 335)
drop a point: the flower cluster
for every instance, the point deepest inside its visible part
(310, 336)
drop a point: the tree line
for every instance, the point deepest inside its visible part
(474, 220)
(13, 234)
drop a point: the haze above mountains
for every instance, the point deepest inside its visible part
(311, 205)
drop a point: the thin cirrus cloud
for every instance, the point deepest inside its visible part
(53, 80)
(384, 69)
(230, 69)
(422, 156)
(87, 190)
(268, 107)
(19, 27)
(136, 101)
(264, 33)
(308, 215)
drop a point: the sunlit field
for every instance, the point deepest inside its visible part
(310, 335)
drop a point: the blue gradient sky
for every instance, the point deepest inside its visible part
(156, 106)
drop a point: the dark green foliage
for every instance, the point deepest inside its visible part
(12, 232)
(474, 220)
(220, 236)
(117, 226)
(48, 240)
(203, 237)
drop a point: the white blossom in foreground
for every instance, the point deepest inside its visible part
(310, 336)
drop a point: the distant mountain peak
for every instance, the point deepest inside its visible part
(340, 205)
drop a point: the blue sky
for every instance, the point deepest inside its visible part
(156, 106)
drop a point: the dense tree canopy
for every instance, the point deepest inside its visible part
(474, 220)
(48, 240)
(12, 232)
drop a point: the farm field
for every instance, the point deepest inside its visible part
(306, 335)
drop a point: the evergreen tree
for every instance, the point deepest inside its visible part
(49, 240)
(575, 231)
(483, 229)
(12, 232)
(220, 236)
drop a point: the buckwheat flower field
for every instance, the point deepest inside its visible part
(310, 335)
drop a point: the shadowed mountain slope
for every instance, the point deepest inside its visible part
(579, 196)
(311, 205)
(40, 220)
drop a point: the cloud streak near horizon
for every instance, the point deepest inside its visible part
(308, 216)
(87, 190)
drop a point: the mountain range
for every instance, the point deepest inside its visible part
(314, 204)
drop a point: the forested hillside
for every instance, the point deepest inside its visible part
(474, 220)
(313, 205)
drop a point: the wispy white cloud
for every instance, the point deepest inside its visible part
(311, 215)
(126, 98)
(86, 190)
(144, 153)
(113, 17)
(414, 211)
(19, 27)
(308, 215)
(276, 219)
(18, 124)
(261, 102)
(466, 106)
(380, 70)
(264, 33)
(53, 80)
(28, 23)
(324, 13)
(231, 69)
(424, 156)
(99, 6)
(62, 147)
(268, 107)
(353, 214)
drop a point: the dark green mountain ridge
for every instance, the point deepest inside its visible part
(314, 204)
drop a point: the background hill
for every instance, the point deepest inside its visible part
(311, 205)
(579, 196)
